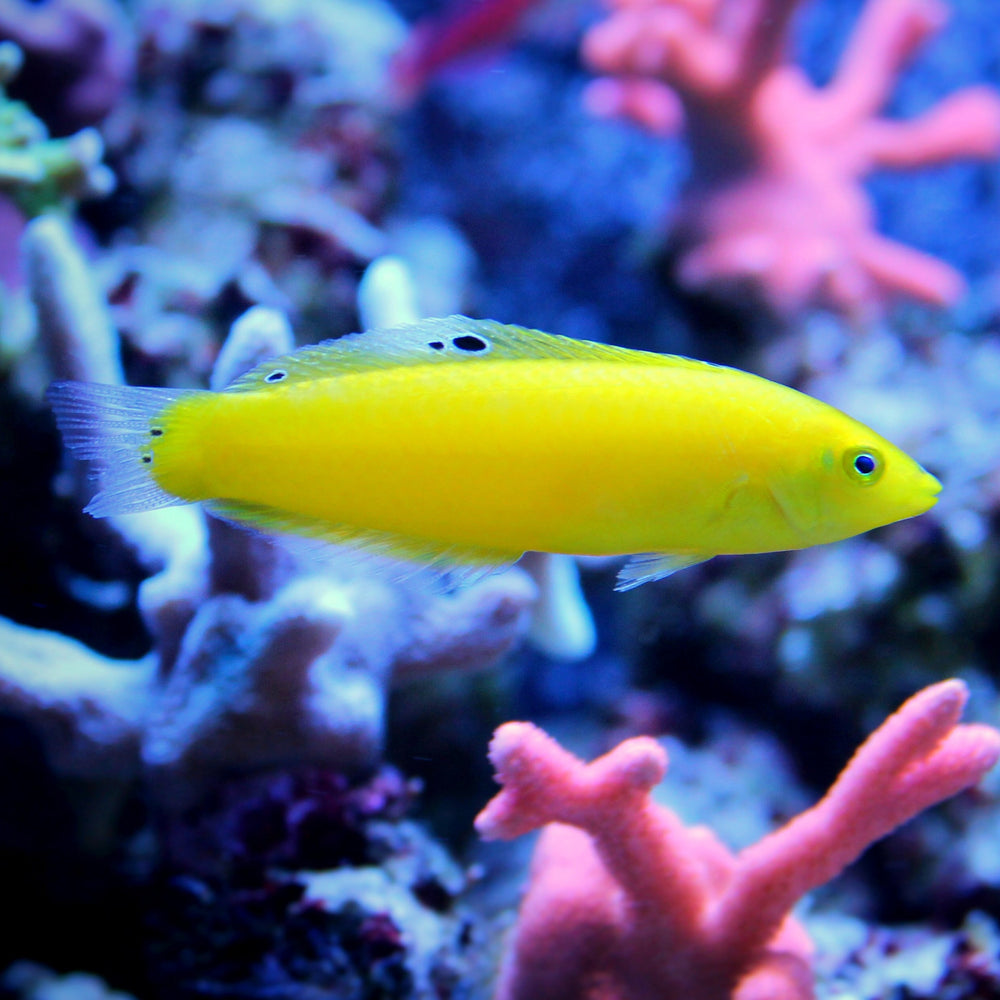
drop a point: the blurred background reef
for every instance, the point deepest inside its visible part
(230, 771)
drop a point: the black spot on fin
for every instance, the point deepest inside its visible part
(468, 342)
(110, 426)
(442, 341)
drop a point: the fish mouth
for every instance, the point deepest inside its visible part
(933, 484)
(932, 487)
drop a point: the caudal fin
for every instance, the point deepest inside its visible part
(112, 427)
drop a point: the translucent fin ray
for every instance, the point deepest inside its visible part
(442, 340)
(392, 555)
(655, 566)
(109, 425)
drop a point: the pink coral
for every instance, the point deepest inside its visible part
(627, 903)
(776, 202)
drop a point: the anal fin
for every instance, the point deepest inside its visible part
(385, 553)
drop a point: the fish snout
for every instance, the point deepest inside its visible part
(928, 488)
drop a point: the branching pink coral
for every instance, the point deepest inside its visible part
(626, 903)
(775, 202)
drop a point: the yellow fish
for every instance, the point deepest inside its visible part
(462, 443)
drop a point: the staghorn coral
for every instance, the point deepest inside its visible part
(261, 658)
(38, 174)
(257, 54)
(256, 167)
(775, 201)
(625, 902)
(275, 858)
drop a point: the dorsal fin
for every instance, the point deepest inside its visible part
(447, 340)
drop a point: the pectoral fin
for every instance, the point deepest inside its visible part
(655, 566)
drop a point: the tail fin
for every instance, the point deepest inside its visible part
(111, 426)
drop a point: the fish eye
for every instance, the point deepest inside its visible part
(276, 376)
(864, 465)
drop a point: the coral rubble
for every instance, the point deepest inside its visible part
(289, 882)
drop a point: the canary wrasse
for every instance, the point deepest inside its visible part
(462, 443)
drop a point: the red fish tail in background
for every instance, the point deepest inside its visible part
(464, 29)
